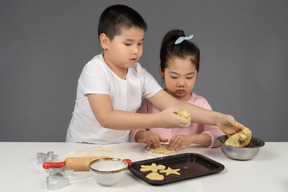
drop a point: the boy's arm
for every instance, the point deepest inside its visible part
(162, 100)
(122, 120)
(226, 123)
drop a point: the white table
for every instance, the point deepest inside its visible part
(268, 171)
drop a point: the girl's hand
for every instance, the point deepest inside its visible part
(152, 139)
(170, 119)
(178, 141)
(229, 125)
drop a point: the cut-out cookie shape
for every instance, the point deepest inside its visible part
(155, 176)
(170, 171)
(153, 167)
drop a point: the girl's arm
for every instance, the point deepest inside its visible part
(149, 137)
(122, 120)
(226, 123)
(178, 141)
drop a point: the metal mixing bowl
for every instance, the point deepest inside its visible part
(241, 153)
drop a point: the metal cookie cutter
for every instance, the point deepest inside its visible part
(49, 157)
(57, 178)
(56, 182)
(62, 172)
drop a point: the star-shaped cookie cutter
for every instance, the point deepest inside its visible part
(62, 172)
(58, 178)
(49, 157)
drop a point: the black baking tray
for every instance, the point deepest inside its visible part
(191, 165)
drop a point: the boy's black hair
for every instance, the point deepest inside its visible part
(182, 50)
(116, 17)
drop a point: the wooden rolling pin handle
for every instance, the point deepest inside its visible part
(48, 165)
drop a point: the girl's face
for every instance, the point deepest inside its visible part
(124, 50)
(180, 76)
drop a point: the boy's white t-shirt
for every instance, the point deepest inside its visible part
(126, 95)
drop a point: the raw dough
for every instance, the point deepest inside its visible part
(184, 113)
(163, 149)
(240, 139)
(169, 171)
(153, 167)
(155, 176)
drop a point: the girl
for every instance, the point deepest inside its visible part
(179, 68)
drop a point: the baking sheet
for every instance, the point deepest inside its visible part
(191, 165)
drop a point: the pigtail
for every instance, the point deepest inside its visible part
(168, 46)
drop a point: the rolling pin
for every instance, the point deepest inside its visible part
(75, 163)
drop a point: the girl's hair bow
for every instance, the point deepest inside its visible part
(181, 39)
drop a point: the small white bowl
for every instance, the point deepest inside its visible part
(108, 171)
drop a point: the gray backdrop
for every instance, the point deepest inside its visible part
(45, 44)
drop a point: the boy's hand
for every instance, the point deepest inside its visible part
(178, 141)
(170, 119)
(152, 139)
(229, 125)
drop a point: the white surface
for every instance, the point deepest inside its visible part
(266, 172)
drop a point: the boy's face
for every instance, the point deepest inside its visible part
(180, 77)
(124, 50)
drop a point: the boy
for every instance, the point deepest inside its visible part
(112, 84)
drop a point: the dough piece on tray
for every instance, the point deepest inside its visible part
(155, 176)
(240, 139)
(153, 167)
(169, 171)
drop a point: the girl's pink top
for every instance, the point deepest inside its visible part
(194, 128)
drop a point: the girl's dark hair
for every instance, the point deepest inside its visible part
(116, 17)
(182, 50)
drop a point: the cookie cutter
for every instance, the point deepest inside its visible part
(56, 182)
(49, 157)
(62, 172)
(58, 177)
